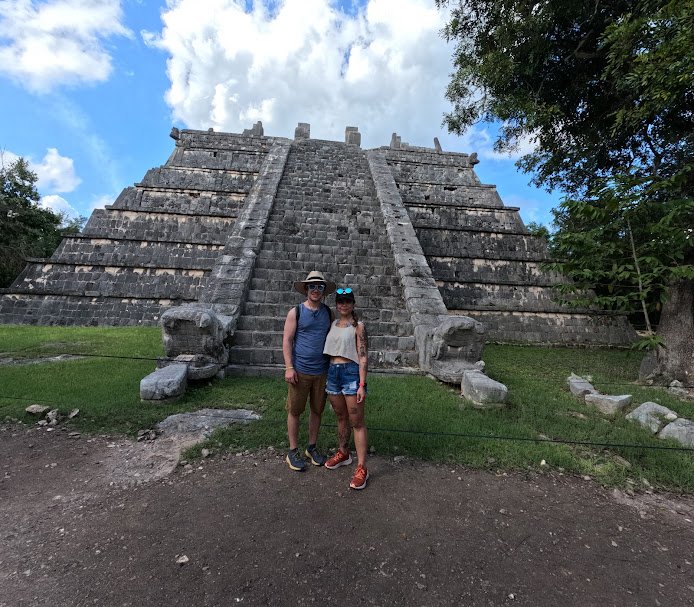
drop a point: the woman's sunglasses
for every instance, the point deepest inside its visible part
(316, 287)
(342, 291)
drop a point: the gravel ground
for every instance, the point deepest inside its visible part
(103, 521)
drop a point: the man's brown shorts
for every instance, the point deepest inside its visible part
(311, 387)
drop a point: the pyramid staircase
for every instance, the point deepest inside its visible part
(325, 217)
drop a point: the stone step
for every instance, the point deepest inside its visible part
(347, 222)
(231, 160)
(110, 281)
(105, 251)
(493, 271)
(355, 253)
(301, 264)
(371, 318)
(181, 201)
(273, 340)
(73, 310)
(378, 359)
(252, 310)
(199, 179)
(446, 218)
(458, 296)
(476, 196)
(369, 301)
(481, 244)
(273, 280)
(311, 237)
(561, 327)
(211, 140)
(110, 223)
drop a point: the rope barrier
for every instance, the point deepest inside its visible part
(460, 435)
(546, 379)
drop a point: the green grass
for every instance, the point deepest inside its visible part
(412, 416)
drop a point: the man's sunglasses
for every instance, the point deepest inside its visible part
(316, 287)
(342, 291)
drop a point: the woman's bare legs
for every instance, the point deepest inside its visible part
(343, 430)
(356, 421)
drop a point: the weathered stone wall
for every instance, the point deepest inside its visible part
(141, 253)
(485, 263)
(154, 248)
(46, 309)
(180, 201)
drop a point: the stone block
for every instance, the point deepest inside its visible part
(166, 383)
(482, 391)
(352, 135)
(205, 421)
(652, 416)
(681, 430)
(608, 404)
(578, 386)
(39, 410)
(302, 131)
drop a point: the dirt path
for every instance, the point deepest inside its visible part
(81, 524)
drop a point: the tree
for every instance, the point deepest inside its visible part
(26, 229)
(605, 90)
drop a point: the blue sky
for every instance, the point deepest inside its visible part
(89, 90)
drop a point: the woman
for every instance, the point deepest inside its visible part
(347, 346)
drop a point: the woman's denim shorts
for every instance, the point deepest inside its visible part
(343, 378)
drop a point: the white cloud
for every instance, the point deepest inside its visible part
(383, 68)
(7, 158)
(56, 173)
(48, 44)
(58, 204)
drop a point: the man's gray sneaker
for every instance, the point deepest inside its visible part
(314, 456)
(295, 461)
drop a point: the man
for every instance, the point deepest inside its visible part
(306, 367)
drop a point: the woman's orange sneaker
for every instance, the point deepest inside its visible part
(339, 459)
(361, 475)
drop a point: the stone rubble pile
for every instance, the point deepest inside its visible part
(48, 416)
(659, 420)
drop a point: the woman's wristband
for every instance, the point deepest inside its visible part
(362, 384)
(289, 368)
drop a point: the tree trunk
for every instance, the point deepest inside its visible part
(676, 328)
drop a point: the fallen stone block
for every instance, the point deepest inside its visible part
(608, 404)
(205, 420)
(39, 410)
(681, 430)
(483, 391)
(578, 386)
(652, 416)
(162, 384)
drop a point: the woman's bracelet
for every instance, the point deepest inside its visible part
(289, 368)
(362, 385)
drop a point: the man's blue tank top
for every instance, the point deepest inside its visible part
(309, 340)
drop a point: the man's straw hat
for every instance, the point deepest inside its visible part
(315, 277)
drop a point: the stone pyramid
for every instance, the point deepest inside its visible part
(232, 220)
